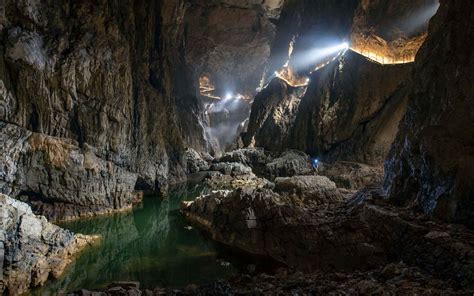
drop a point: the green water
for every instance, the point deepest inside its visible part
(151, 245)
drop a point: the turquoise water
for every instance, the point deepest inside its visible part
(152, 245)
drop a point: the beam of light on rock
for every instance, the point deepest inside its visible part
(316, 56)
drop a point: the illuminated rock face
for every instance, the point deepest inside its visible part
(431, 161)
(349, 108)
(391, 32)
(349, 111)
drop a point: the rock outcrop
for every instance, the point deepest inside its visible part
(363, 233)
(350, 111)
(431, 162)
(31, 248)
(61, 180)
(351, 175)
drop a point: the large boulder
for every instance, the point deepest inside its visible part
(290, 163)
(317, 189)
(194, 162)
(357, 235)
(351, 175)
(32, 249)
(253, 157)
(231, 168)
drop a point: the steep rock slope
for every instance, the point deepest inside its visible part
(432, 159)
(350, 111)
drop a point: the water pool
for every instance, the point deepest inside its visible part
(151, 244)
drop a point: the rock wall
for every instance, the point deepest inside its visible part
(431, 162)
(351, 108)
(229, 42)
(350, 111)
(99, 78)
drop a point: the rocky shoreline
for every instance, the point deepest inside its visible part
(339, 237)
(32, 250)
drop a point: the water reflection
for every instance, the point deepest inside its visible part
(151, 244)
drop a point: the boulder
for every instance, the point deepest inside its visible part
(290, 163)
(231, 168)
(194, 162)
(31, 248)
(351, 175)
(253, 157)
(317, 189)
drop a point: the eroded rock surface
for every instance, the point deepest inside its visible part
(62, 180)
(289, 163)
(431, 161)
(31, 248)
(363, 233)
(351, 175)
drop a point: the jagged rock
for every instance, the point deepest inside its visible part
(316, 189)
(351, 236)
(195, 162)
(289, 163)
(216, 180)
(62, 180)
(431, 161)
(351, 175)
(31, 248)
(252, 157)
(231, 168)
(395, 278)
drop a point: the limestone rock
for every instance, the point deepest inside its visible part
(195, 162)
(231, 168)
(431, 161)
(62, 180)
(289, 163)
(31, 248)
(317, 189)
(351, 175)
(350, 236)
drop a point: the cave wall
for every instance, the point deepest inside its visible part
(431, 161)
(105, 79)
(229, 42)
(351, 108)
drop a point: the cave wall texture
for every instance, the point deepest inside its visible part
(431, 161)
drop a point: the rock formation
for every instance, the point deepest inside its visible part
(431, 162)
(351, 108)
(32, 249)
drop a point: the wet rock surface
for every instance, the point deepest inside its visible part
(31, 248)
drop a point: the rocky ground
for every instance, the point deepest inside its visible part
(32, 249)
